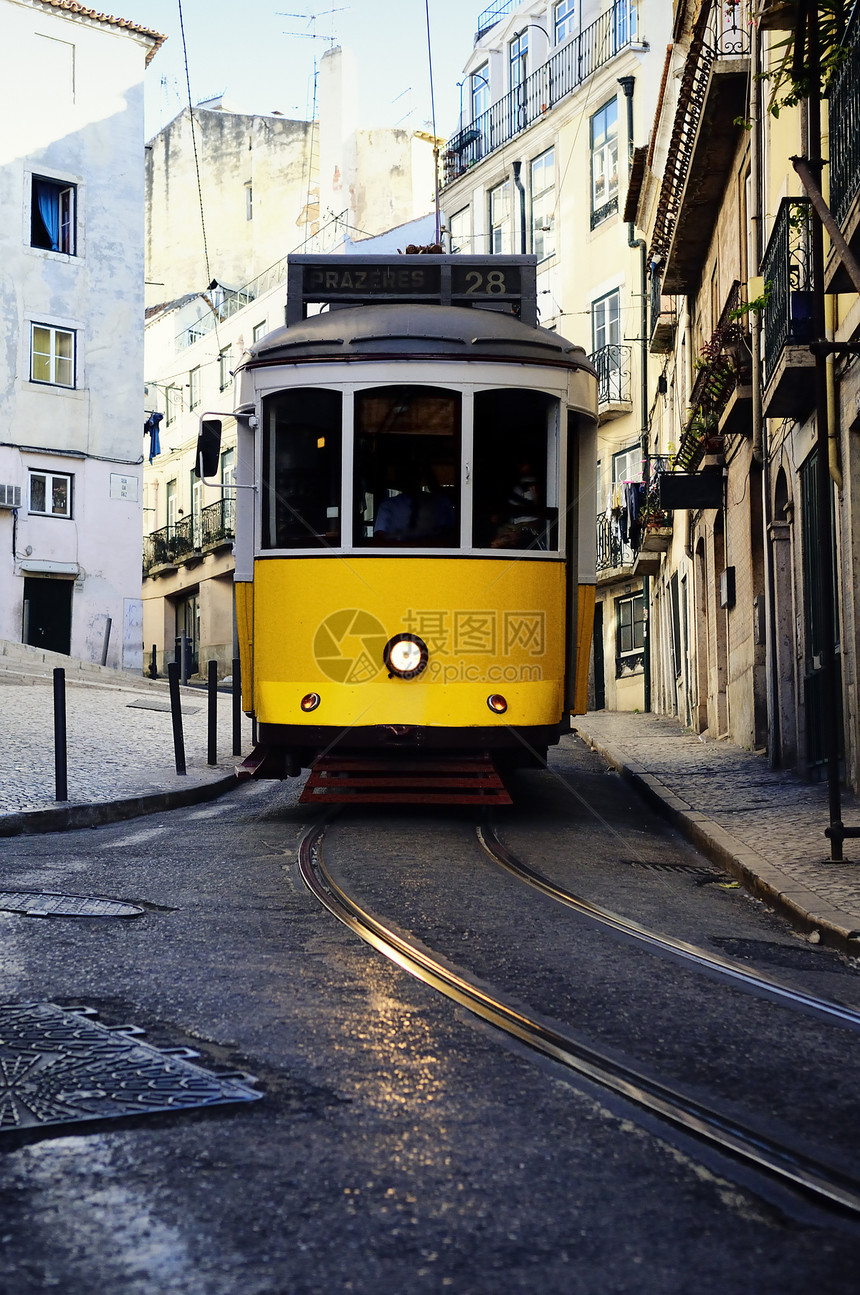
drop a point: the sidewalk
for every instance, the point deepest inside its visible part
(765, 826)
(119, 744)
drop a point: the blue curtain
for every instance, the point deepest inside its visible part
(48, 200)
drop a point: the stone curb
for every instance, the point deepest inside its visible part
(96, 813)
(805, 910)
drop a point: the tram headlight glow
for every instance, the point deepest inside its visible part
(405, 656)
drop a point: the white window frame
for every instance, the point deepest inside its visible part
(54, 359)
(49, 479)
(636, 650)
(604, 161)
(563, 16)
(172, 404)
(479, 90)
(258, 331)
(225, 377)
(249, 200)
(542, 195)
(501, 230)
(194, 385)
(66, 192)
(627, 464)
(518, 58)
(460, 231)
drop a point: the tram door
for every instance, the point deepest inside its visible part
(48, 613)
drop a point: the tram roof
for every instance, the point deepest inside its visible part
(414, 331)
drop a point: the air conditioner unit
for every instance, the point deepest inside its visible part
(10, 496)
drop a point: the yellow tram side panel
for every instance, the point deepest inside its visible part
(495, 625)
(244, 592)
(584, 638)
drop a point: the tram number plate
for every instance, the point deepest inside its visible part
(489, 281)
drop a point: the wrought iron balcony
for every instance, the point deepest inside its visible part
(724, 371)
(190, 537)
(663, 318)
(702, 148)
(844, 168)
(562, 73)
(612, 553)
(787, 316)
(612, 363)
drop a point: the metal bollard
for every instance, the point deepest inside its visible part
(237, 706)
(61, 783)
(212, 755)
(153, 664)
(176, 716)
(106, 643)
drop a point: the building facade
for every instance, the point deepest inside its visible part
(737, 609)
(71, 233)
(554, 95)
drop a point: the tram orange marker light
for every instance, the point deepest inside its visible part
(405, 655)
(497, 703)
(311, 701)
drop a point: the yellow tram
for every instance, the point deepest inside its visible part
(415, 514)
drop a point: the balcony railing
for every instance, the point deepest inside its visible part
(612, 552)
(845, 124)
(232, 302)
(493, 12)
(572, 64)
(724, 364)
(787, 271)
(188, 538)
(613, 374)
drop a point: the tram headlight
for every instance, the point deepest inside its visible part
(405, 655)
(497, 703)
(311, 701)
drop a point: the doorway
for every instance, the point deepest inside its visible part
(48, 613)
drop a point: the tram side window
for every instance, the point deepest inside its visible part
(407, 467)
(302, 469)
(514, 476)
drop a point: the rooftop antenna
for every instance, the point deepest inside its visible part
(312, 19)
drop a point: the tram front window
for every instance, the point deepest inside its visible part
(407, 467)
(301, 469)
(515, 479)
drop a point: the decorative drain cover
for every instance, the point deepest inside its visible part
(59, 1066)
(40, 903)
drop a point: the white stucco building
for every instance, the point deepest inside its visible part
(71, 311)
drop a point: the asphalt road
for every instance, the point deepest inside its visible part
(401, 1145)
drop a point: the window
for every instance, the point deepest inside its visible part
(52, 215)
(173, 403)
(518, 58)
(460, 231)
(302, 469)
(228, 497)
(249, 201)
(259, 331)
(624, 18)
(630, 634)
(604, 163)
(607, 354)
(52, 356)
(407, 467)
(194, 388)
(500, 219)
(479, 83)
(627, 464)
(543, 204)
(51, 494)
(52, 76)
(563, 15)
(515, 472)
(225, 377)
(172, 498)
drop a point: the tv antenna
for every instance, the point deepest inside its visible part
(312, 19)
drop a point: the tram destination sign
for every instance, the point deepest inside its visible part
(504, 282)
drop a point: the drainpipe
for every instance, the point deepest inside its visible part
(627, 83)
(517, 166)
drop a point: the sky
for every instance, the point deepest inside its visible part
(261, 57)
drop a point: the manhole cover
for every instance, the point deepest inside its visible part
(38, 903)
(59, 1066)
(666, 865)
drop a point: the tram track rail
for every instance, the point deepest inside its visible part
(776, 1160)
(754, 982)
